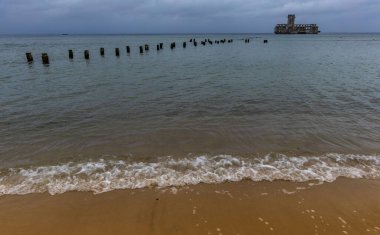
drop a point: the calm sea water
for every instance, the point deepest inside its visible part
(299, 104)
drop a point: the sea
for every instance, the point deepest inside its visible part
(298, 108)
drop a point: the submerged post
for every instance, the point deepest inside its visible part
(86, 55)
(128, 50)
(29, 57)
(141, 50)
(45, 58)
(117, 52)
(71, 54)
(102, 51)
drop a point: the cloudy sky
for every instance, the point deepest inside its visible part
(183, 16)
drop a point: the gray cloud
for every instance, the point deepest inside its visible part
(183, 16)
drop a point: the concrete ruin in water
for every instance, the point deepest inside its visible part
(292, 28)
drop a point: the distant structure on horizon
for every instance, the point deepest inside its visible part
(292, 28)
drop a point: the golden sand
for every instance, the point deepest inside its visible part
(343, 207)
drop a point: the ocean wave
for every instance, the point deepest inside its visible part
(107, 175)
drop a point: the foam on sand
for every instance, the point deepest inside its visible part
(106, 175)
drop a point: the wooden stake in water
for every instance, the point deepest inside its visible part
(128, 50)
(117, 52)
(45, 58)
(71, 54)
(86, 55)
(102, 51)
(29, 57)
(184, 44)
(141, 50)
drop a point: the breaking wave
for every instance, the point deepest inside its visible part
(106, 175)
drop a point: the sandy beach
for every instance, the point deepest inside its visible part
(342, 207)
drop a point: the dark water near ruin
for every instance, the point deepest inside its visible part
(215, 113)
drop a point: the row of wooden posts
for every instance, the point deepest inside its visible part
(45, 57)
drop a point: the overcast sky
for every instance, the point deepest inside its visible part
(183, 16)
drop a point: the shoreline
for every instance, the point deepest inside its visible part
(345, 206)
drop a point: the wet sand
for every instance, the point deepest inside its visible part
(342, 207)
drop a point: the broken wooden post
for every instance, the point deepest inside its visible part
(45, 58)
(141, 50)
(86, 55)
(184, 44)
(161, 46)
(265, 41)
(102, 51)
(117, 52)
(29, 57)
(158, 47)
(191, 40)
(71, 54)
(128, 50)
(195, 43)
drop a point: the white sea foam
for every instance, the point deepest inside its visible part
(106, 175)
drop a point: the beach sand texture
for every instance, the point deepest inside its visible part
(342, 207)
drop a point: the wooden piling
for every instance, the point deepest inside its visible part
(29, 57)
(161, 46)
(184, 44)
(265, 41)
(71, 54)
(45, 58)
(141, 50)
(195, 43)
(158, 47)
(102, 51)
(128, 50)
(117, 52)
(191, 40)
(86, 55)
